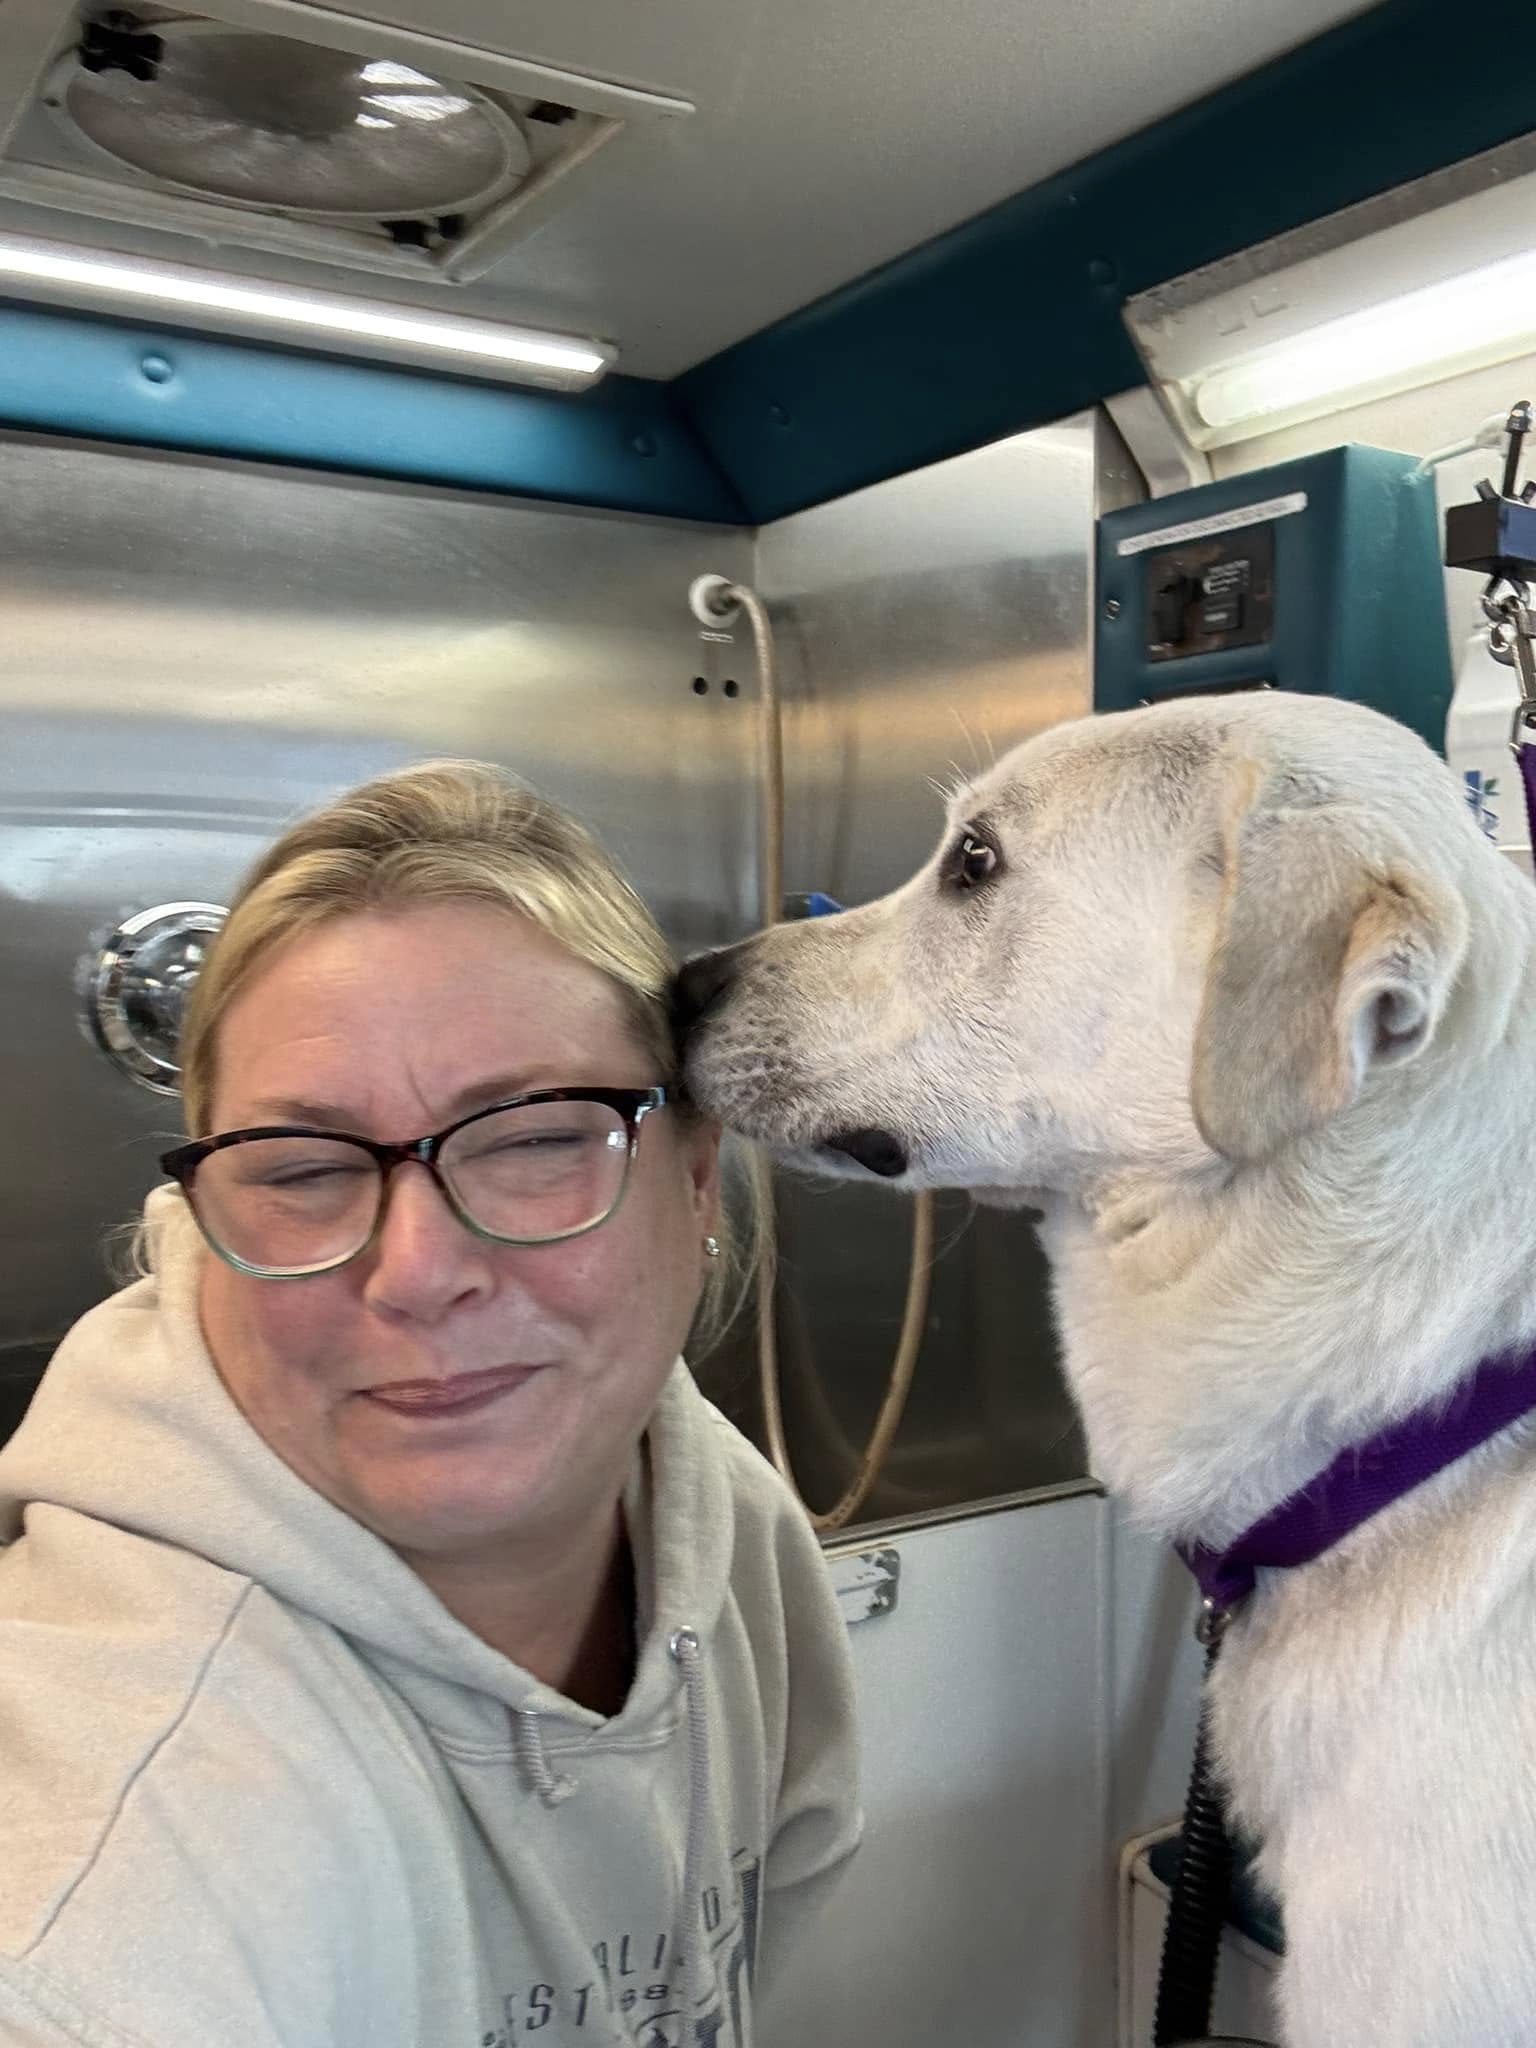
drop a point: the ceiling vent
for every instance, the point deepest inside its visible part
(268, 125)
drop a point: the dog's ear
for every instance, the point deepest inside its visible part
(1335, 953)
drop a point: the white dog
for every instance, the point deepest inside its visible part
(1235, 992)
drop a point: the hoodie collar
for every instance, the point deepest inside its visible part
(133, 1426)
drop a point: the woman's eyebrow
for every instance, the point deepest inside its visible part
(291, 1109)
(286, 1109)
(481, 1094)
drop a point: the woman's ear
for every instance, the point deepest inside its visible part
(701, 1156)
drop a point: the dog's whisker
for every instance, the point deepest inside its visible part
(970, 740)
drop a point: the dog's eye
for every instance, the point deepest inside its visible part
(973, 861)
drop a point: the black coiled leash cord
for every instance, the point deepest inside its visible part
(1197, 1905)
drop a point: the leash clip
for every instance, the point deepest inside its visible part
(1212, 1623)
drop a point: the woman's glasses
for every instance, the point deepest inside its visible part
(283, 1202)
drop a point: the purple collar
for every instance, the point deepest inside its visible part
(1368, 1477)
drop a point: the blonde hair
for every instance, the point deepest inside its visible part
(449, 832)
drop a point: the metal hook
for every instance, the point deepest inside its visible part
(1517, 426)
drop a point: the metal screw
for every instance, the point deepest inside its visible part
(1112, 608)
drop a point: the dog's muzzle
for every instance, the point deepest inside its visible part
(700, 983)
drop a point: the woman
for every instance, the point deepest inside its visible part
(396, 1650)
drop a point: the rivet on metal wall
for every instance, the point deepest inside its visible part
(156, 369)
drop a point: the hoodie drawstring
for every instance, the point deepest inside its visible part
(553, 1787)
(533, 1760)
(684, 1645)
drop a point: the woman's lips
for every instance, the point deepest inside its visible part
(462, 1394)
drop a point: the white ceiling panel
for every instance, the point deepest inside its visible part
(828, 136)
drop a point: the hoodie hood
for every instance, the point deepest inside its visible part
(133, 1426)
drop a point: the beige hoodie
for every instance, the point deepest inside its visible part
(258, 1787)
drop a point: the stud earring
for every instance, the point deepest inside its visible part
(711, 1247)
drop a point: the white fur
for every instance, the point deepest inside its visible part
(1249, 1013)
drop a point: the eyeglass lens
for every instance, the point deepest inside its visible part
(531, 1173)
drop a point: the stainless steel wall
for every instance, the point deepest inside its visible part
(925, 625)
(191, 653)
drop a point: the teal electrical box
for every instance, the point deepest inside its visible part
(1322, 575)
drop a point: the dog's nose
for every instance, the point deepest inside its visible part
(701, 981)
(877, 1150)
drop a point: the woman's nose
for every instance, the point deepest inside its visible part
(424, 1260)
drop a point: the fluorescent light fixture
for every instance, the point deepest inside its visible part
(1487, 316)
(1422, 284)
(328, 320)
